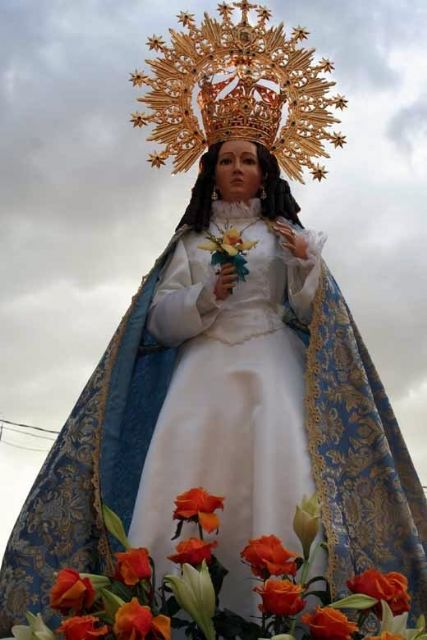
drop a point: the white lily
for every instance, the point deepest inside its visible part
(397, 624)
(307, 522)
(37, 629)
(195, 594)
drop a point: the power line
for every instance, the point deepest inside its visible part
(27, 426)
(17, 446)
(31, 435)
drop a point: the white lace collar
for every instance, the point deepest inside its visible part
(236, 210)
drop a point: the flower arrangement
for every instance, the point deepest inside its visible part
(127, 605)
(229, 247)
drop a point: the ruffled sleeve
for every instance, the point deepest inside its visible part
(180, 309)
(303, 274)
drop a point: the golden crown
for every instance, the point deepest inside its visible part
(270, 90)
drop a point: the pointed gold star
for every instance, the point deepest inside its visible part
(340, 101)
(264, 13)
(225, 11)
(156, 42)
(300, 33)
(139, 119)
(156, 159)
(185, 18)
(338, 140)
(138, 78)
(318, 172)
(326, 65)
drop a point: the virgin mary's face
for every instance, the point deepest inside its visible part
(238, 173)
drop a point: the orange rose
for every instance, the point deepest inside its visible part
(280, 597)
(136, 622)
(193, 551)
(329, 624)
(391, 587)
(132, 566)
(268, 557)
(70, 591)
(199, 506)
(82, 628)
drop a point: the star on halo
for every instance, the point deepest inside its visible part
(185, 18)
(326, 65)
(156, 159)
(318, 172)
(264, 13)
(156, 42)
(138, 78)
(300, 33)
(338, 140)
(139, 119)
(225, 11)
(340, 102)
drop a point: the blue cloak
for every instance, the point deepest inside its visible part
(373, 506)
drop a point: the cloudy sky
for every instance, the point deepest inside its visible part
(83, 216)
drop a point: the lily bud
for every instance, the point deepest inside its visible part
(307, 522)
(195, 594)
(36, 631)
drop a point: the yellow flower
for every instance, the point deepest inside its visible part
(209, 245)
(232, 236)
(249, 244)
(232, 251)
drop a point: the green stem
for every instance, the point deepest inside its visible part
(308, 563)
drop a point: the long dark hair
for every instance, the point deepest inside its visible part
(279, 200)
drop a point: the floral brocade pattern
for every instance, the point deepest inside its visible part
(373, 507)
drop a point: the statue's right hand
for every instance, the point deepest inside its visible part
(227, 279)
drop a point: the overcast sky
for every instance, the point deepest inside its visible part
(83, 216)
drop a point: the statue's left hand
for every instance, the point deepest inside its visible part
(293, 241)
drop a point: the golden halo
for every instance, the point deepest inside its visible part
(256, 52)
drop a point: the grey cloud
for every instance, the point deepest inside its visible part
(409, 125)
(83, 216)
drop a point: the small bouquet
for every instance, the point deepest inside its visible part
(127, 605)
(229, 247)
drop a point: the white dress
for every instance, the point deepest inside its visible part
(233, 418)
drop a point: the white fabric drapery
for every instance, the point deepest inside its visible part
(233, 418)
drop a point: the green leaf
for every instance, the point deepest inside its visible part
(355, 601)
(98, 582)
(115, 526)
(111, 602)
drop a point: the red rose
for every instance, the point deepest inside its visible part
(267, 556)
(132, 566)
(280, 597)
(329, 624)
(198, 505)
(391, 587)
(82, 628)
(193, 551)
(133, 621)
(70, 591)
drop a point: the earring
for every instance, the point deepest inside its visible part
(263, 194)
(214, 195)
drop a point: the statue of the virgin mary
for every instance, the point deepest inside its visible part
(247, 376)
